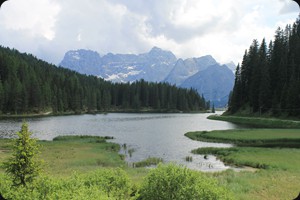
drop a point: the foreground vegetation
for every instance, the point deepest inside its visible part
(87, 167)
(278, 172)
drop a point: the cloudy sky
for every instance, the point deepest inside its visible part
(188, 28)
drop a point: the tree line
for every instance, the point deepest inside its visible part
(30, 85)
(268, 79)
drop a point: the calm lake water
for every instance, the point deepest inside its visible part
(150, 135)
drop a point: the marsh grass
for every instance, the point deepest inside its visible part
(151, 161)
(278, 177)
(82, 138)
(262, 158)
(130, 152)
(189, 159)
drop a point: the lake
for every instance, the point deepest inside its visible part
(150, 135)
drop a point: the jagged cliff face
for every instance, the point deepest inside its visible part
(153, 66)
(184, 69)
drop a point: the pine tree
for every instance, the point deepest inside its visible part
(23, 166)
(264, 94)
(269, 78)
(213, 108)
(236, 96)
(254, 76)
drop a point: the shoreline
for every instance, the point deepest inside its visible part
(51, 114)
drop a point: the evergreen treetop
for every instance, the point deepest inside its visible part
(268, 80)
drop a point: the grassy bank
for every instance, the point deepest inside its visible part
(258, 122)
(251, 137)
(67, 154)
(81, 154)
(262, 158)
(278, 177)
(64, 155)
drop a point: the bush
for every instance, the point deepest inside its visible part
(104, 184)
(114, 182)
(171, 182)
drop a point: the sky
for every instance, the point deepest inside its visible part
(188, 28)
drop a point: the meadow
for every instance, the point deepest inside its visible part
(268, 159)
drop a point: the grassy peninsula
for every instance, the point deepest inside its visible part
(258, 122)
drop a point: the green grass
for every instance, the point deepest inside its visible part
(251, 137)
(81, 154)
(279, 168)
(5, 150)
(271, 184)
(67, 154)
(258, 122)
(265, 158)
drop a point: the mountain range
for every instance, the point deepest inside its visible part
(204, 74)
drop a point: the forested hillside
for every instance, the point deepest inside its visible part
(30, 85)
(268, 79)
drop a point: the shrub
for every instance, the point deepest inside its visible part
(103, 184)
(179, 183)
(113, 182)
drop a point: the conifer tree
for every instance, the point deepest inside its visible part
(236, 95)
(23, 166)
(269, 78)
(264, 90)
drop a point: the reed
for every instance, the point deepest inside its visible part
(150, 161)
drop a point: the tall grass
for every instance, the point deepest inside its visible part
(151, 161)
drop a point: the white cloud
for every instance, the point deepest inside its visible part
(189, 28)
(37, 20)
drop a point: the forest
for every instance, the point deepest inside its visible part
(268, 79)
(30, 85)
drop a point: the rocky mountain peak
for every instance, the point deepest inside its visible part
(157, 65)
